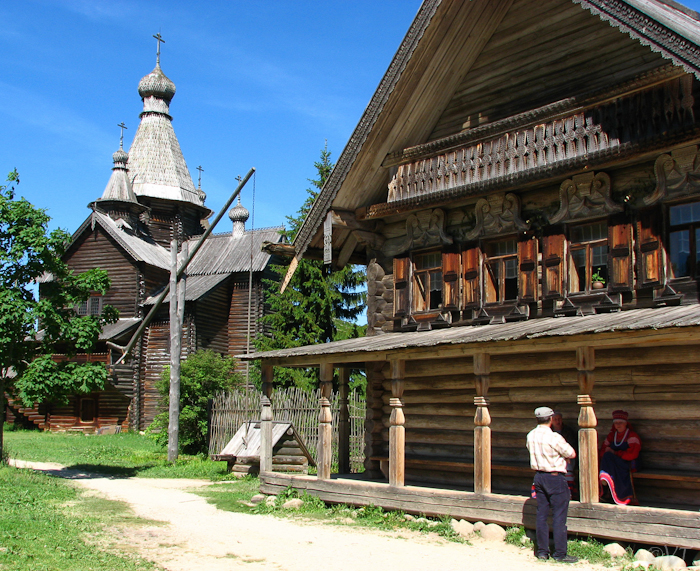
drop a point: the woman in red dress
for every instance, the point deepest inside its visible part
(618, 459)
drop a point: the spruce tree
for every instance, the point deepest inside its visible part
(320, 304)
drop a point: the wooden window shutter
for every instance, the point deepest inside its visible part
(402, 280)
(553, 266)
(649, 259)
(471, 268)
(450, 280)
(527, 270)
(620, 275)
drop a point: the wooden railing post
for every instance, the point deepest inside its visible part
(266, 420)
(343, 421)
(587, 434)
(325, 424)
(397, 430)
(482, 428)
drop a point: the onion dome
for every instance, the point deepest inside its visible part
(120, 158)
(157, 84)
(238, 215)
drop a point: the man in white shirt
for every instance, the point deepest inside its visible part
(548, 455)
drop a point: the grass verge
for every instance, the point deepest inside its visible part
(236, 496)
(48, 525)
(126, 454)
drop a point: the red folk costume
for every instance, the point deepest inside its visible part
(617, 465)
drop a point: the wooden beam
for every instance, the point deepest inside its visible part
(397, 429)
(587, 434)
(347, 250)
(482, 425)
(266, 373)
(343, 421)
(325, 423)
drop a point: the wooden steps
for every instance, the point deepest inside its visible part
(32, 414)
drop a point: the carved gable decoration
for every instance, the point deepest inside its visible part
(677, 174)
(497, 214)
(585, 196)
(423, 232)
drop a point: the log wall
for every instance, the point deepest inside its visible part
(211, 317)
(238, 314)
(660, 388)
(98, 250)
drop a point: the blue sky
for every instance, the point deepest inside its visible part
(259, 84)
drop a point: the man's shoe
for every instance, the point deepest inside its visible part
(543, 557)
(566, 559)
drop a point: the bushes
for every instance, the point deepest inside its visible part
(202, 375)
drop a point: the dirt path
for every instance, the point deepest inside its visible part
(197, 536)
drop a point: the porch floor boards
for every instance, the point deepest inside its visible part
(639, 524)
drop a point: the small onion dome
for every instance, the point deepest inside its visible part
(239, 213)
(157, 84)
(120, 158)
(201, 194)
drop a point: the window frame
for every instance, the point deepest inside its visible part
(498, 289)
(587, 246)
(433, 272)
(85, 308)
(693, 229)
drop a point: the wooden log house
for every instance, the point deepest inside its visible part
(149, 200)
(523, 188)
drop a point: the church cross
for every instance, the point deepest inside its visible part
(201, 170)
(160, 41)
(121, 137)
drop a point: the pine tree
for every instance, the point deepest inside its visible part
(319, 304)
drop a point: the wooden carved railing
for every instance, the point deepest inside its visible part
(642, 116)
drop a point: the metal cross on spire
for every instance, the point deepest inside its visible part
(121, 137)
(239, 179)
(160, 41)
(201, 170)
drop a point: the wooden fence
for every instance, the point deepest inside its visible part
(230, 410)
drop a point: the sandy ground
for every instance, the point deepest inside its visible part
(197, 536)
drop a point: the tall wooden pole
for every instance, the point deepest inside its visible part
(397, 429)
(482, 425)
(325, 424)
(266, 420)
(344, 421)
(175, 346)
(587, 421)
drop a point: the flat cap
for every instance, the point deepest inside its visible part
(543, 412)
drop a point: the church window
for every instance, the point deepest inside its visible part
(91, 306)
(684, 236)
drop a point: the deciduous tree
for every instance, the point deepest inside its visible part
(31, 329)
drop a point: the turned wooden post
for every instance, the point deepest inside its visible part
(482, 428)
(325, 424)
(266, 420)
(397, 430)
(343, 421)
(587, 434)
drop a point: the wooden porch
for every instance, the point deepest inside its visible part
(655, 526)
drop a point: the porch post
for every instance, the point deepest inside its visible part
(482, 422)
(344, 421)
(397, 430)
(325, 424)
(587, 434)
(266, 420)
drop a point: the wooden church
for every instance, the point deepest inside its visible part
(150, 199)
(524, 187)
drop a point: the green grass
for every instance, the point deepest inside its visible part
(48, 525)
(235, 497)
(126, 454)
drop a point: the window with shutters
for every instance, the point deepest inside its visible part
(683, 239)
(91, 306)
(427, 281)
(501, 271)
(588, 256)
